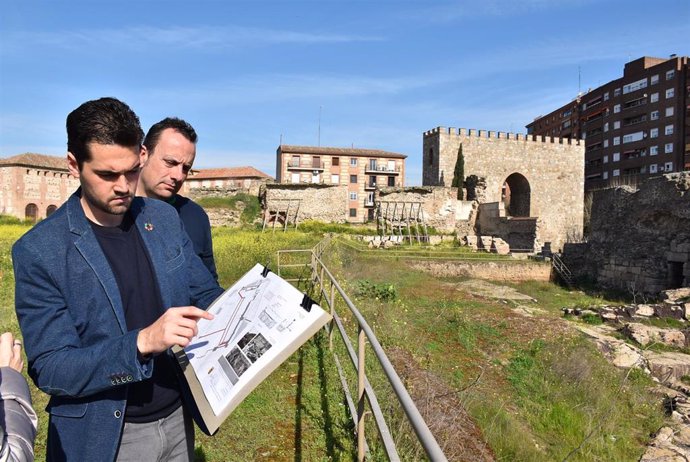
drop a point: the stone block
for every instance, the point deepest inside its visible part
(470, 241)
(500, 246)
(485, 242)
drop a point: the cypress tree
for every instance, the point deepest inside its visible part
(459, 174)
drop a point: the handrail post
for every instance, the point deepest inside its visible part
(332, 306)
(360, 394)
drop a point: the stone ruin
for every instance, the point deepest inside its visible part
(639, 240)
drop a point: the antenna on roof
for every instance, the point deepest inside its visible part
(579, 80)
(281, 140)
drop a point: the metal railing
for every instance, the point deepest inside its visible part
(330, 291)
(562, 269)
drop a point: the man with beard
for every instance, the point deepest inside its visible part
(104, 287)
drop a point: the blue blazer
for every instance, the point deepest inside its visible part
(71, 316)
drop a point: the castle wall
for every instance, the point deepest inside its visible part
(554, 169)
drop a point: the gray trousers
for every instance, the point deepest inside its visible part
(168, 439)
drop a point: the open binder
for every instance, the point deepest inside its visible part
(258, 323)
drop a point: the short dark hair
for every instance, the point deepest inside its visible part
(179, 125)
(103, 121)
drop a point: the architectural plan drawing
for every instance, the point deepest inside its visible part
(258, 323)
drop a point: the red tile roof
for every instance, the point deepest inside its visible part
(234, 172)
(354, 152)
(30, 159)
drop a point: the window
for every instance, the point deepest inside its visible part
(294, 162)
(353, 213)
(654, 98)
(669, 111)
(670, 92)
(606, 127)
(642, 83)
(668, 130)
(353, 196)
(294, 178)
(670, 74)
(431, 156)
(335, 179)
(617, 92)
(631, 137)
(606, 96)
(606, 143)
(654, 79)
(652, 168)
(653, 150)
(668, 167)
(605, 176)
(606, 159)
(616, 124)
(616, 172)
(353, 161)
(316, 177)
(668, 148)
(391, 181)
(616, 108)
(353, 179)
(654, 115)
(335, 161)
(616, 156)
(653, 133)
(616, 140)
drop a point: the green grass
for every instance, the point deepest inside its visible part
(537, 390)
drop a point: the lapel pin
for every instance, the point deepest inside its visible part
(148, 226)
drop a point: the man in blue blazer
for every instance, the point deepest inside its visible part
(104, 287)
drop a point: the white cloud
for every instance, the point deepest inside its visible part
(204, 38)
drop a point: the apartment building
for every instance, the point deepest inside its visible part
(361, 170)
(634, 127)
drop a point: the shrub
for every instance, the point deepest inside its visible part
(379, 291)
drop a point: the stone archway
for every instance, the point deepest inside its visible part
(516, 195)
(31, 212)
(49, 211)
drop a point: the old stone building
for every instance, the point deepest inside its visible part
(247, 179)
(639, 239)
(32, 186)
(530, 190)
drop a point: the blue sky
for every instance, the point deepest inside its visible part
(379, 73)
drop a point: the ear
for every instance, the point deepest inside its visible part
(143, 155)
(72, 165)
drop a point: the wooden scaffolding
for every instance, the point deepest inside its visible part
(401, 218)
(283, 212)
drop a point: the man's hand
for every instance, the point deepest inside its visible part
(177, 326)
(11, 352)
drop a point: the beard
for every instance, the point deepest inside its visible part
(114, 205)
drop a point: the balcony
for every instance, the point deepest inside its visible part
(375, 168)
(307, 164)
(369, 185)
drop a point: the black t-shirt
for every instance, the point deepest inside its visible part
(122, 245)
